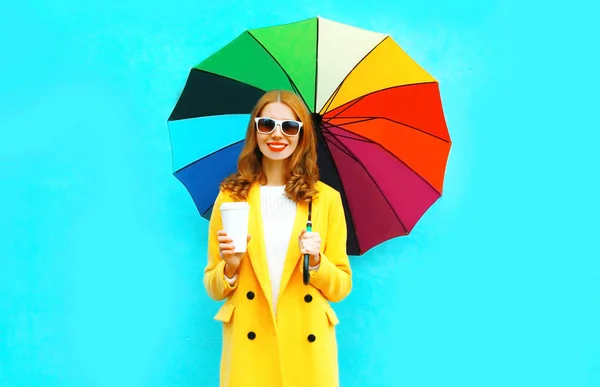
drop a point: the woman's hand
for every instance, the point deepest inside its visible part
(228, 254)
(310, 243)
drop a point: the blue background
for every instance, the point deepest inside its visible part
(102, 250)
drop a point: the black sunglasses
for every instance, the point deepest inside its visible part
(267, 125)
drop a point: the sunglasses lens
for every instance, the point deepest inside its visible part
(265, 125)
(291, 128)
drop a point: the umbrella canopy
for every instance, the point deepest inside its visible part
(383, 141)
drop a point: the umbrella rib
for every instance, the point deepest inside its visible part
(350, 218)
(208, 209)
(362, 139)
(337, 89)
(360, 119)
(363, 119)
(316, 67)
(280, 66)
(393, 155)
(345, 149)
(350, 104)
(195, 70)
(224, 77)
(171, 142)
(358, 99)
(208, 155)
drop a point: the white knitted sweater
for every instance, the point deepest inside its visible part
(278, 215)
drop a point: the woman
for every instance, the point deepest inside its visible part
(277, 331)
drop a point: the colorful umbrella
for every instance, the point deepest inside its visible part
(383, 141)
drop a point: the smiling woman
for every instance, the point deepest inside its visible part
(278, 134)
(277, 330)
(288, 127)
(279, 125)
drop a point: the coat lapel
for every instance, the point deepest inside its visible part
(256, 247)
(293, 254)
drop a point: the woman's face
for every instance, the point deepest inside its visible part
(277, 145)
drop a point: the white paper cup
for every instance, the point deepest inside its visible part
(234, 216)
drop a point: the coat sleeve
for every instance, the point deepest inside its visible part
(334, 276)
(215, 282)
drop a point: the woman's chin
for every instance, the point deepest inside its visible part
(277, 156)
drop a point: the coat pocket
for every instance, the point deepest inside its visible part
(225, 313)
(331, 316)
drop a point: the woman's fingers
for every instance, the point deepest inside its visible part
(226, 250)
(224, 239)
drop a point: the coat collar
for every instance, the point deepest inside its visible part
(256, 247)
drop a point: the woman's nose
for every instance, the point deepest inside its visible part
(277, 132)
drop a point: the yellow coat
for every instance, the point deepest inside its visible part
(297, 347)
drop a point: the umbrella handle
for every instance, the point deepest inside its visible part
(306, 274)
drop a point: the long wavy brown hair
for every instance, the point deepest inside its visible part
(302, 169)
